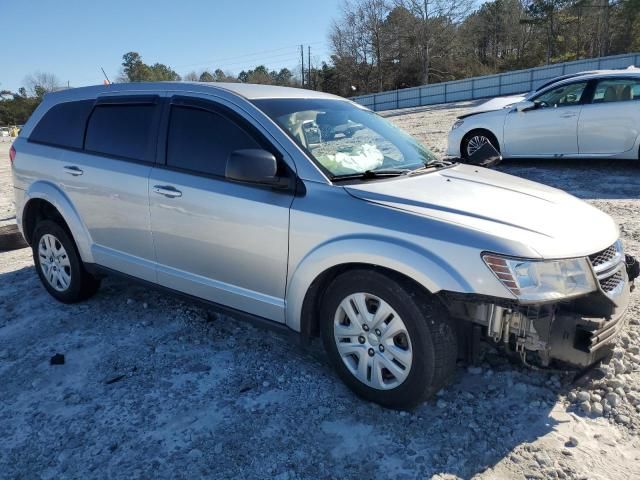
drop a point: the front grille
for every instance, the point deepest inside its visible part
(604, 256)
(609, 284)
(608, 266)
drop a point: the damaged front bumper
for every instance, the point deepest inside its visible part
(578, 332)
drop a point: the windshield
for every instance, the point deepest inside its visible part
(345, 139)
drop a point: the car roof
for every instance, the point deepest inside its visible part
(247, 90)
(588, 75)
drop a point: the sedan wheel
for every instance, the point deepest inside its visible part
(475, 143)
(372, 341)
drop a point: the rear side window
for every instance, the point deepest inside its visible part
(63, 125)
(121, 130)
(616, 90)
(201, 140)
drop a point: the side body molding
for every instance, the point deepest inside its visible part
(47, 191)
(402, 257)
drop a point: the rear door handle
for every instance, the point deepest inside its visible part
(167, 191)
(568, 115)
(73, 170)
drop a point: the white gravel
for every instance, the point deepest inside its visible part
(153, 387)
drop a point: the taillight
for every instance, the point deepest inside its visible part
(12, 154)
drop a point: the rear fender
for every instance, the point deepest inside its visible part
(51, 193)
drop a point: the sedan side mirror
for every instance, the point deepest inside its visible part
(254, 166)
(525, 105)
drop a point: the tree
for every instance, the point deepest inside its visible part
(163, 73)
(206, 77)
(39, 83)
(438, 20)
(135, 70)
(220, 76)
(16, 108)
(191, 77)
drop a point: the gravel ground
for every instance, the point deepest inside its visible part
(153, 387)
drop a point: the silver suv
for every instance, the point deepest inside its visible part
(236, 195)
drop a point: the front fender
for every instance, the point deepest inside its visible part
(51, 193)
(426, 268)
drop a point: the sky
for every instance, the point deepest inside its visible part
(74, 38)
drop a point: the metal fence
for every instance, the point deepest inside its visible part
(517, 81)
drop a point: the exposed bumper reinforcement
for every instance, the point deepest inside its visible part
(581, 340)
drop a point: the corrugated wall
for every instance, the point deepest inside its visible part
(519, 81)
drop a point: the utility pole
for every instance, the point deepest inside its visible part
(302, 58)
(309, 67)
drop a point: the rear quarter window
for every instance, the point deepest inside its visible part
(63, 125)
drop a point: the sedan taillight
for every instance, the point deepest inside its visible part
(12, 154)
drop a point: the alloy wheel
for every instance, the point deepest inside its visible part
(372, 341)
(475, 143)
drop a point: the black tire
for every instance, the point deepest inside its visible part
(82, 284)
(431, 333)
(11, 238)
(486, 133)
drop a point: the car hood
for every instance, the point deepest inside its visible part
(494, 104)
(543, 220)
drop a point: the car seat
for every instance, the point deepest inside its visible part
(610, 95)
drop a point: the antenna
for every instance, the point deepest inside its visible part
(105, 76)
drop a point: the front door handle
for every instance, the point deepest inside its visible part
(167, 191)
(568, 115)
(73, 170)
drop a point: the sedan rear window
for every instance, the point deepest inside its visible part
(63, 125)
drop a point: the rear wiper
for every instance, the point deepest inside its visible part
(372, 174)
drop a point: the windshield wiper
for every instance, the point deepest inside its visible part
(372, 174)
(430, 166)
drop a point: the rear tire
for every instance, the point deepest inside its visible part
(59, 265)
(425, 345)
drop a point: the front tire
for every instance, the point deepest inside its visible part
(59, 265)
(390, 342)
(474, 140)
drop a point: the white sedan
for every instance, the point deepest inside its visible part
(590, 115)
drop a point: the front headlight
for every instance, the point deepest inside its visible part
(539, 280)
(457, 124)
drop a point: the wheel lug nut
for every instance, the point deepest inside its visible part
(371, 352)
(381, 347)
(378, 332)
(365, 327)
(361, 339)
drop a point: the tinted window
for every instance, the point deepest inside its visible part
(63, 125)
(201, 140)
(565, 95)
(121, 130)
(616, 90)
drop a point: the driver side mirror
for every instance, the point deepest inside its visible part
(525, 105)
(254, 166)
